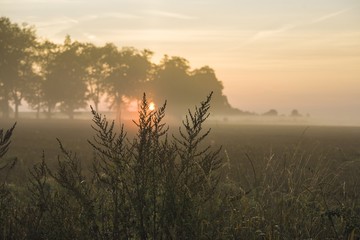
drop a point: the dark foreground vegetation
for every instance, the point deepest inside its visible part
(159, 184)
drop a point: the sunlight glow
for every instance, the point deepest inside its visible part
(151, 106)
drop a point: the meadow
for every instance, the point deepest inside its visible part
(265, 182)
(33, 136)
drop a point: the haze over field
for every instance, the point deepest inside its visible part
(279, 54)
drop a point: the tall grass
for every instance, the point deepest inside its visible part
(158, 185)
(295, 196)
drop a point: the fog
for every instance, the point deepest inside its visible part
(254, 57)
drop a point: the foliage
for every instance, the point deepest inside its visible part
(16, 44)
(127, 71)
(174, 77)
(5, 140)
(41, 92)
(157, 185)
(52, 77)
(96, 71)
(147, 187)
(66, 72)
(294, 197)
(8, 205)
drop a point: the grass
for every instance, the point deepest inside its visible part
(151, 182)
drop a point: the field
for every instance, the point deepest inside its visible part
(32, 137)
(277, 181)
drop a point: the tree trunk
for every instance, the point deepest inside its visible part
(118, 113)
(38, 111)
(96, 103)
(5, 106)
(118, 108)
(48, 113)
(16, 109)
(17, 96)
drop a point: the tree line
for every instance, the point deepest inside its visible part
(70, 76)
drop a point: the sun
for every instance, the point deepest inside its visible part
(151, 106)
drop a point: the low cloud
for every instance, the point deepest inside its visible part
(330, 15)
(169, 14)
(269, 33)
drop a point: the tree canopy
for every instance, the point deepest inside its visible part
(69, 76)
(16, 48)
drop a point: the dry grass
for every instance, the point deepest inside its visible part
(274, 182)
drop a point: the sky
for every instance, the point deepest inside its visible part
(269, 54)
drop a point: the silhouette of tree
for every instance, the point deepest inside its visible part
(65, 83)
(50, 76)
(16, 44)
(40, 94)
(45, 92)
(271, 112)
(175, 82)
(128, 70)
(172, 82)
(295, 113)
(203, 81)
(96, 72)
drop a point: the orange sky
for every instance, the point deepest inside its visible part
(280, 54)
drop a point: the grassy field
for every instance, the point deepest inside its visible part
(277, 181)
(31, 137)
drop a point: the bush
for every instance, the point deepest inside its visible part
(154, 187)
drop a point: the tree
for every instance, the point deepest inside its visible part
(128, 70)
(39, 94)
(16, 48)
(172, 82)
(182, 87)
(271, 112)
(96, 72)
(295, 113)
(64, 84)
(204, 80)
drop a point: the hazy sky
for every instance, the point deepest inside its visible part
(280, 54)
